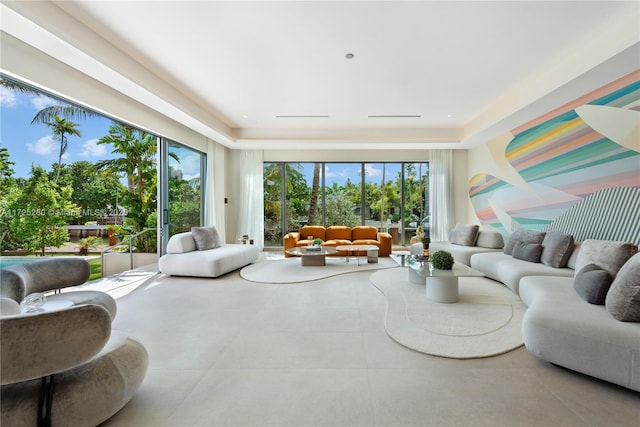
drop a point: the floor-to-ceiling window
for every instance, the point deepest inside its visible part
(415, 198)
(92, 174)
(392, 196)
(343, 194)
(184, 188)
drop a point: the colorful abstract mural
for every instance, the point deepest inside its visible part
(561, 158)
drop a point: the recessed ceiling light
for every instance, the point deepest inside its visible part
(449, 115)
(349, 56)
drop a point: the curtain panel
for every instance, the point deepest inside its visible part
(251, 206)
(214, 210)
(441, 193)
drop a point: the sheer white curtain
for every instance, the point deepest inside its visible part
(251, 205)
(441, 193)
(214, 196)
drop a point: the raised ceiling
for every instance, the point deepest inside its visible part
(423, 74)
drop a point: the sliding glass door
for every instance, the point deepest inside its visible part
(392, 197)
(183, 169)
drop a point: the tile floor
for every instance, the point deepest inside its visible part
(227, 352)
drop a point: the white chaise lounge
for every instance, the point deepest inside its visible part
(183, 258)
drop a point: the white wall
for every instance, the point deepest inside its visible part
(26, 63)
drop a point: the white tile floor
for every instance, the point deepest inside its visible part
(227, 352)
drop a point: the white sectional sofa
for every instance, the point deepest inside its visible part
(183, 258)
(485, 241)
(562, 328)
(508, 270)
(562, 324)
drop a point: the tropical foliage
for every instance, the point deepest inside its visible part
(38, 214)
(400, 200)
(34, 211)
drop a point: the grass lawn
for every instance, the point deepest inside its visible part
(96, 269)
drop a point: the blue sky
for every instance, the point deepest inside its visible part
(340, 172)
(34, 144)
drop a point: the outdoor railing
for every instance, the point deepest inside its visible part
(127, 242)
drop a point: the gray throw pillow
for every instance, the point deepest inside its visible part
(490, 239)
(464, 234)
(527, 251)
(623, 298)
(556, 249)
(205, 237)
(592, 284)
(524, 235)
(610, 255)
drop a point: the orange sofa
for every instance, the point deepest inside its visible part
(337, 235)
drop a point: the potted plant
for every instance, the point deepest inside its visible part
(317, 242)
(442, 260)
(426, 241)
(87, 243)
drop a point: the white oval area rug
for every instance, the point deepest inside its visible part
(290, 270)
(486, 320)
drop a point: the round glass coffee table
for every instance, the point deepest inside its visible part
(310, 256)
(441, 285)
(371, 250)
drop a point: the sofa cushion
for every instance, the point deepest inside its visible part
(573, 258)
(181, 243)
(592, 284)
(609, 255)
(556, 249)
(623, 298)
(205, 237)
(527, 251)
(364, 232)
(490, 239)
(524, 235)
(464, 234)
(317, 231)
(338, 232)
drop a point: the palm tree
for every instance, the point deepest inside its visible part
(313, 202)
(61, 128)
(138, 151)
(69, 112)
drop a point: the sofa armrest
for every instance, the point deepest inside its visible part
(37, 345)
(385, 243)
(290, 241)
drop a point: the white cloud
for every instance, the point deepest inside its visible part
(44, 146)
(42, 101)
(327, 173)
(191, 164)
(91, 148)
(371, 170)
(7, 97)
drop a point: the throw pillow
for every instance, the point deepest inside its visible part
(464, 234)
(610, 255)
(205, 237)
(556, 249)
(623, 299)
(524, 235)
(592, 284)
(527, 251)
(490, 239)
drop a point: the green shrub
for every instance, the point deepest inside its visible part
(442, 260)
